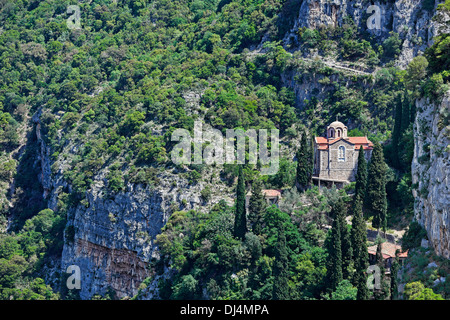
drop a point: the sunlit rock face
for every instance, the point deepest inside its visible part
(431, 172)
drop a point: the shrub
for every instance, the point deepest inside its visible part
(413, 236)
(206, 194)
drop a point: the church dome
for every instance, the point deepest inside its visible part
(337, 124)
(336, 130)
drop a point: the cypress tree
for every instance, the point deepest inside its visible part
(394, 285)
(361, 174)
(361, 285)
(396, 133)
(256, 208)
(334, 266)
(240, 219)
(380, 294)
(376, 201)
(340, 214)
(403, 151)
(360, 254)
(304, 163)
(280, 269)
(379, 254)
(406, 117)
(412, 112)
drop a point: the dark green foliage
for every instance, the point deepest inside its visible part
(29, 201)
(132, 123)
(438, 55)
(286, 175)
(344, 291)
(206, 194)
(413, 236)
(383, 291)
(397, 132)
(406, 113)
(392, 45)
(394, 285)
(23, 255)
(233, 269)
(334, 265)
(361, 175)
(360, 255)
(257, 207)
(280, 269)
(304, 163)
(339, 212)
(240, 219)
(115, 180)
(186, 289)
(375, 200)
(347, 252)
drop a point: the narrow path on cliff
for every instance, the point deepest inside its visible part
(331, 64)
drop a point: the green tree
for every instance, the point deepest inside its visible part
(132, 123)
(185, 289)
(257, 207)
(376, 201)
(382, 292)
(344, 291)
(240, 219)
(391, 46)
(361, 176)
(397, 132)
(394, 285)
(413, 236)
(406, 112)
(304, 163)
(340, 213)
(417, 291)
(281, 269)
(360, 254)
(415, 73)
(334, 266)
(439, 54)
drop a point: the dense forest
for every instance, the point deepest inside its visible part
(109, 94)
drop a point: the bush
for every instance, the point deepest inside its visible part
(413, 236)
(434, 87)
(206, 194)
(391, 46)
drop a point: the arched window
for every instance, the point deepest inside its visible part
(331, 133)
(339, 133)
(341, 153)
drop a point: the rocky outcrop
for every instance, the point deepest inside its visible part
(113, 234)
(45, 176)
(408, 18)
(431, 172)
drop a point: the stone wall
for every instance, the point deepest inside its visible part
(332, 168)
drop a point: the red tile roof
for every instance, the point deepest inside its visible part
(272, 193)
(388, 250)
(323, 143)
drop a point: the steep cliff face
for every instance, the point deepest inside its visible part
(431, 172)
(408, 18)
(110, 235)
(113, 235)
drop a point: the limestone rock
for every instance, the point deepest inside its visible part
(431, 172)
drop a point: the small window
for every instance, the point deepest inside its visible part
(341, 153)
(331, 133)
(339, 133)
